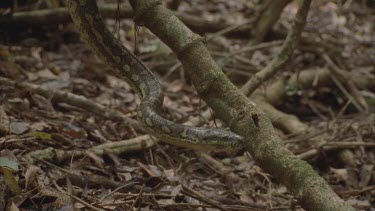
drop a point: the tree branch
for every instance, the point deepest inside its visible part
(61, 15)
(286, 52)
(242, 115)
(266, 20)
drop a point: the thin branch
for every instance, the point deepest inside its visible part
(332, 146)
(342, 75)
(286, 52)
(268, 16)
(76, 198)
(4, 122)
(137, 198)
(196, 195)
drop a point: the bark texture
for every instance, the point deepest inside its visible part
(243, 116)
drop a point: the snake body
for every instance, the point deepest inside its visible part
(86, 17)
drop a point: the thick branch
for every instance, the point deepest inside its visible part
(61, 15)
(275, 93)
(283, 121)
(243, 116)
(267, 19)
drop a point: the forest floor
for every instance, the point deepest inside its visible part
(68, 152)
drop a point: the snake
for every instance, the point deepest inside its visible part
(87, 19)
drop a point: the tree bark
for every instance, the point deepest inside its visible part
(243, 116)
(61, 15)
(266, 20)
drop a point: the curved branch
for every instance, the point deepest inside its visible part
(286, 52)
(267, 19)
(243, 116)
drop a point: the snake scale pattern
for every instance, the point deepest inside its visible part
(87, 19)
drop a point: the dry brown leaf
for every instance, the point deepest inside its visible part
(341, 174)
(13, 207)
(175, 86)
(176, 190)
(8, 166)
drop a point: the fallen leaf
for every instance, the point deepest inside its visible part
(40, 126)
(175, 86)
(19, 127)
(8, 167)
(47, 74)
(41, 135)
(341, 174)
(176, 190)
(13, 207)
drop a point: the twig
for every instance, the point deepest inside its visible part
(286, 52)
(191, 193)
(227, 30)
(331, 146)
(346, 93)
(181, 206)
(70, 175)
(349, 144)
(116, 190)
(342, 75)
(214, 164)
(357, 192)
(4, 121)
(119, 147)
(130, 145)
(77, 199)
(137, 198)
(248, 49)
(259, 46)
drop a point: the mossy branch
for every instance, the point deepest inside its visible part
(242, 115)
